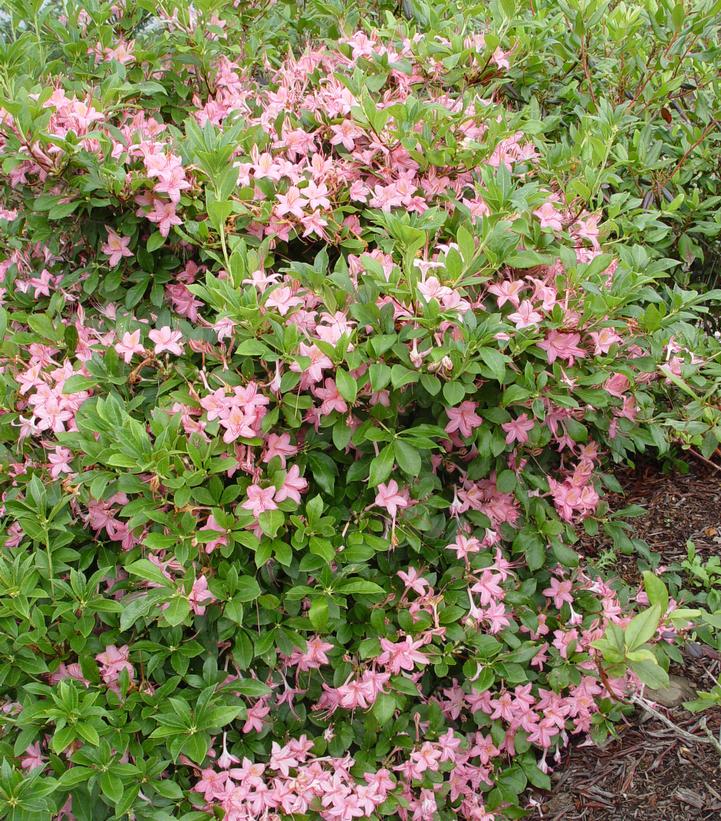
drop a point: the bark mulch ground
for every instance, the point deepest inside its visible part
(651, 772)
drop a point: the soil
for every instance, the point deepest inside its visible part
(651, 772)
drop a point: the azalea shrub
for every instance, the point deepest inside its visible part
(312, 370)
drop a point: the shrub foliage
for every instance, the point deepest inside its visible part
(314, 355)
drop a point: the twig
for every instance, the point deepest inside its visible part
(688, 151)
(711, 737)
(694, 739)
(587, 71)
(704, 459)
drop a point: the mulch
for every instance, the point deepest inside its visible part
(650, 772)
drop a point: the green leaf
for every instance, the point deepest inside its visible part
(134, 609)
(220, 716)
(155, 240)
(247, 589)
(74, 776)
(400, 376)
(322, 548)
(381, 466)
(642, 627)
(177, 611)
(251, 687)
(360, 586)
(655, 590)
(150, 572)
(78, 383)
(564, 554)
(380, 376)
(271, 521)
(252, 347)
(650, 673)
(218, 212)
(495, 361)
(342, 434)
(88, 733)
(243, 650)
(408, 458)
(62, 210)
(62, 739)
(318, 613)
(384, 707)
(453, 393)
(111, 786)
(431, 383)
(168, 789)
(196, 747)
(346, 385)
(506, 481)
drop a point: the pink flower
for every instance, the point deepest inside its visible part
(559, 345)
(164, 215)
(282, 299)
(166, 339)
(402, 655)
(500, 58)
(560, 592)
(464, 546)
(41, 285)
(116, 247)
(332, 400)
(314, 224)
(413, 581)
(172, 182)
(345, 134)
(292, 202)
(496, 616)
(386, 197)
(389, 497)
(317, 195)
(226, 759)
(113, 661)
(604, 340)
(282, 759)
(564, 640)
(507, 291)
(129, 345)
(279, 446)
(489, 588)
(238, 422)
(463, 418)
(259, 500)
(617, 384)
(449, 744)
(313, 657)
(629, 409)
(517, 430)
(255, 716)
(318, 363)
(588, 229)
(60, 460)
(525, 316)
(293, 485)
(571, 499)
(213, 526)
(549, 217)
(200, 596)
(33, 757)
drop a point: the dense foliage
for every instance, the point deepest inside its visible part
(316, 353)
